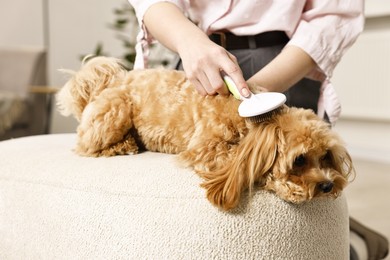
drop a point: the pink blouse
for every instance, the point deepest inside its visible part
(324, 29)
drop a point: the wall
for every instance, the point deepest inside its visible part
(362, 80)
(21, 23)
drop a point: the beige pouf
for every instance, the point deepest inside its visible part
(57, 205)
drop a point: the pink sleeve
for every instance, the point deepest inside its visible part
(327, 29)
(329, 103)
(144, 38)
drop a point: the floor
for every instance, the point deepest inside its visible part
(369, 196)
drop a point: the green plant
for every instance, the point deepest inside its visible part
(126, 29)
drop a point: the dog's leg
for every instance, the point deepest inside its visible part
(105, 124)
(207, 156)
(126, 146)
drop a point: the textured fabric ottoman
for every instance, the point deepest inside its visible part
(57, 205)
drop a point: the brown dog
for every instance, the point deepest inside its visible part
(294, 154)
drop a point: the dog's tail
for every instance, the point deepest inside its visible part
(85, 85)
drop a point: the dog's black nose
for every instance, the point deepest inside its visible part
(325, 186)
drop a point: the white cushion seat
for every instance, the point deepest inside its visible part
(55, 204)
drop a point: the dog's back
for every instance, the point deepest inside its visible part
(161, 104)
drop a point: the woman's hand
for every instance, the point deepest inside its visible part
(203, 60)
(204, 63)
(286, 69)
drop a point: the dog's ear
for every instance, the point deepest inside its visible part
(252, 158)
(342, 161)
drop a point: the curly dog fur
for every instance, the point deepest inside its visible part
(294, 154)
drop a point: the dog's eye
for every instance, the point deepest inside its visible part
(327, 159)
(300, 161)
(327, 156)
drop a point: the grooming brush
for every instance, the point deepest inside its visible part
(258, 107)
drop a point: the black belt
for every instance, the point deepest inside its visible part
(233, 42)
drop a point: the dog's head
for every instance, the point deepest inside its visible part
(294, 154)
(311, 161)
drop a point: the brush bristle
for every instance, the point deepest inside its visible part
(264, 117)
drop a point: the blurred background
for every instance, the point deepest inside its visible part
(39, 37)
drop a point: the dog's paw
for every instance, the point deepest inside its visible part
(126, 147)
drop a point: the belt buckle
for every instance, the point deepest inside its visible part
(222, 37)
